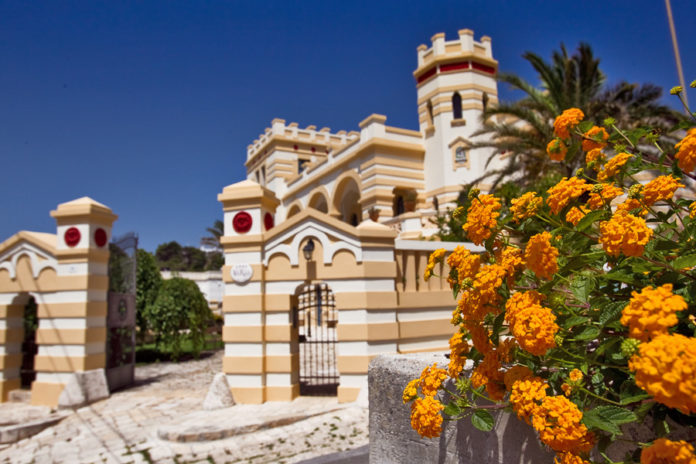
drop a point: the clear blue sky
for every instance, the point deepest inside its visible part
(149, 106)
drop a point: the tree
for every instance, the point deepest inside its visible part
(213, 240)
(180, 312)
(522, 129)
(170, 256)
(148, 284)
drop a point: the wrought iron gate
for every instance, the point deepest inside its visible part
(316, 318)
(120, 320)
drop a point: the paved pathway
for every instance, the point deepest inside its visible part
(123, 428)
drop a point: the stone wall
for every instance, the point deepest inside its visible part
(393, 441)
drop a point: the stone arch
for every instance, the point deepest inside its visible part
(318, 199)
(346, 198)
(294, 208)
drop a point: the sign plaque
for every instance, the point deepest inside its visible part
(241, 273)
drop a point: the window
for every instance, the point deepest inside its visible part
(460, 155)
(457, 106)
(263, 175)
(302, 165)
(430, 113)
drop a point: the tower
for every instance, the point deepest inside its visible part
(454, 80)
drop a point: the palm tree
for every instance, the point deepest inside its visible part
(522, 129)
(213, 240)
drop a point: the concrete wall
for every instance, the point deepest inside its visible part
(392, 440)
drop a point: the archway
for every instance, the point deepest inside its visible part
(318, 202)
(347, 200)
(316, 318)
(27, 373)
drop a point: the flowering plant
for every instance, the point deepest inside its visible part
(589, 324)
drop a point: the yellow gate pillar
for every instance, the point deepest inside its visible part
(258, 361)
(72, 320)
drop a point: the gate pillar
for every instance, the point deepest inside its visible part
(255, 368)
(72, 321)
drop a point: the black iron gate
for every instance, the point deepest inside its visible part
(120, 320)
(316, 318)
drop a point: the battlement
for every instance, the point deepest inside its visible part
(461, 53)
(322, 138)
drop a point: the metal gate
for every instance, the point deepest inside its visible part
(316, 319)
(120, 319)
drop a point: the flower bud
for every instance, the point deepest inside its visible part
(579, 172)
(629, 346)
(597, 188)
(676, 90)
(609, 121)
(635, 191)
(473, 193)
(693, 84)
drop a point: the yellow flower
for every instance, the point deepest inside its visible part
(458, 350)
(631, 204)
(595, 155)
(564, 192)
(576, 214)
(411, 390)
(519, 301)
(567, 389)
(525, 206)
(483, 297)
(426, 418)
(665, 367)
(595, 138)
(652, 311)
(556, 149)
(625, 234)
(482, 218)
(692, 210)
(466, 263)
(607, 193)
(569, 458)
(558, 421)
(431, 378)
(479, 337)
(511, 259)
(613, 166)
(686, 156)
(525, 396)
(575, 375)
(516, 373)
(664, 451)
(435, 258)
(535, 329)
(566, 121)
(541, 256)
(660, 188)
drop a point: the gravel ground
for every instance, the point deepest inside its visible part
(123, 428)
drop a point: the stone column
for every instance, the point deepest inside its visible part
(72, 320)
(249, 211)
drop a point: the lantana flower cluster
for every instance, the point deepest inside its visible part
(580, 315)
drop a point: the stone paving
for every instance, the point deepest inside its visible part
(124, 428)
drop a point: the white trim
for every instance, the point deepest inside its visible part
(433, 245)
(11, 323)
(254, 319)
(278, 380)
(353, 380)
(71, 350)
(241, 380)
(33, 253)
(381, 255)
(426, 343)
(71, 322)
(249, 288)
(243, 349)
(278, 349)
(278, 318)
(9, 373)
(249, 257)
(427, 315)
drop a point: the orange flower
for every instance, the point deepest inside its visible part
(518, 301)
(613, 166)
(525, 206)
(564, 192)
(556, 149)
(660, 188)
(411, 390)
(482, 218)
(665, 451)
(595, 138)
(431, 378)
(576, 214)
(516, 373)
(575, 375)
(458, 349)
(652, 311)
(525, 396)
(686, 156)
(466, 263)
(692, 210)
(625, 234)
(569, 458)
(594, 155)
(435, 258)
(566, 121)
(426, 418)
(535, 329)
(631, 204)
(607, 193)
(558, 421)
(665, 367)
(540, 256)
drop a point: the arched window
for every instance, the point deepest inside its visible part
(457, 106)
(430, 113)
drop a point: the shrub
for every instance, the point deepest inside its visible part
(589, 323)
(148, 283)
(179, 312)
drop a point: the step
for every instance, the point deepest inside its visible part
(20, 396)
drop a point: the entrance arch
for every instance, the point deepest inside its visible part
(316, 317)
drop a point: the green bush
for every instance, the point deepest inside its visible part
(179, 313)
(148, 283)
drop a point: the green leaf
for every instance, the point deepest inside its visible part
(684, 261)
(620, 276)
(608, 418)
(573, 321)
(594, 420)
(585, 126)
(590, 219)
(588, 333)
(610, 312)
(482, 420)
(634, 398)
(582, 286)
(452, 409)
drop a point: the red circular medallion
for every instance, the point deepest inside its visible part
(72, 237)
(100, 237)
(268, 221)
(242, 222)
